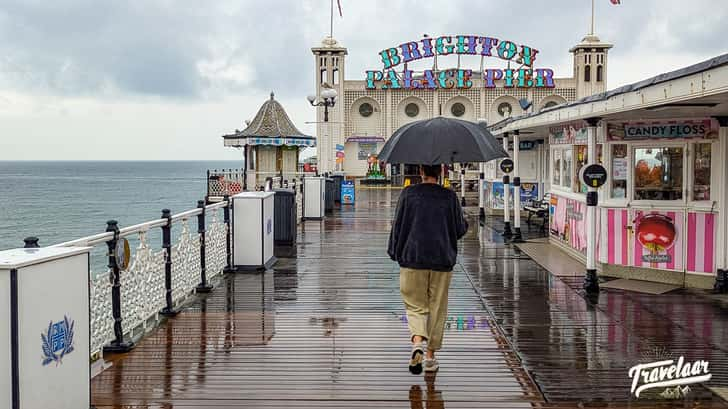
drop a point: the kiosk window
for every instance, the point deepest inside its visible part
(561, 172)
(658, 173)
(701, 172)
(556, 171)
(566, 169)
(620, 168)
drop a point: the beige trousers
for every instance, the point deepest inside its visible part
(424, 293)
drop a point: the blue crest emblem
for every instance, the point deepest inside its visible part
(57, 341)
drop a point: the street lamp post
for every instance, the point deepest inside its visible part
(327, 99)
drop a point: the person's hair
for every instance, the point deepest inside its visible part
(432, 171)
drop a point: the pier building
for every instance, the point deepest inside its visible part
(422, 79)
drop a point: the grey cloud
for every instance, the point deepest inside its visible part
(156, 47)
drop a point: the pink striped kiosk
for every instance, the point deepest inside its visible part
(662, 215)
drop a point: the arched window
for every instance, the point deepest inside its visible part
(600, 73)
(587, 73)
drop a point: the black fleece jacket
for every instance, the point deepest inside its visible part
(427, 226)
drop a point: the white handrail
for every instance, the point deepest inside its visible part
(186, 215)
(88, 241)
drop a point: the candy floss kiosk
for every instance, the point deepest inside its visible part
(658, 211)
(44, 328)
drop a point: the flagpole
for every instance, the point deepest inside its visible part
(592, 20)
(331, 32)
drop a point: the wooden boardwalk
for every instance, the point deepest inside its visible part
(323, 329)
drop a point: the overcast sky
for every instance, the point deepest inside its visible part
(163, 79)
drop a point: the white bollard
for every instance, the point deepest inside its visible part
(253, 226)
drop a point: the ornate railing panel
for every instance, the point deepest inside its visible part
(142, 285)
(142, 295)
(102, 320)
(215, 245)
(185, 263)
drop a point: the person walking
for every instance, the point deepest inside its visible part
(428, 223)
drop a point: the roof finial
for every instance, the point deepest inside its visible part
(272, 95)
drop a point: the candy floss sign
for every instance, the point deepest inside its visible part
(524, 76)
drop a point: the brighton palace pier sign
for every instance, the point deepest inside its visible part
(523, 77)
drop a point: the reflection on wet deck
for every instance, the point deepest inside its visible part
(325, 328)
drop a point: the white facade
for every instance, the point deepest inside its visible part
(362, 116)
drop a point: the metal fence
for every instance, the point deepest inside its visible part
(222, 182)
(125, 303)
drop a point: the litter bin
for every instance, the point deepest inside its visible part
(329, 198)
(284, 210)
(338, 180)
(253, 231)
(44, 336)
(313, 198)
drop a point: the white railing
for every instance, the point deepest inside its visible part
(142, 285)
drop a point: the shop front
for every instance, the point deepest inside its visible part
(657, 218)
(660, 210)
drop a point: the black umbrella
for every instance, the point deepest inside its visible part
(441, 140)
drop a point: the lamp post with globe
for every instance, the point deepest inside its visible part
(326, 100)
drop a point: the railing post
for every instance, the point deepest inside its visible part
(228, 232)
(169, 310)
(118, 345)
(31, 243)
(203, 287)
(208, 185)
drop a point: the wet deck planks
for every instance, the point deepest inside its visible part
(324, 329)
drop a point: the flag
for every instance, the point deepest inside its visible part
(616, 1)
(338, 3)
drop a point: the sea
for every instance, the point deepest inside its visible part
(59, 201)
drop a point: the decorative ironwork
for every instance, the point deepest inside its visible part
(102, 322)
(215, 243)
(185, 263)
(142, 285)
(225, 182)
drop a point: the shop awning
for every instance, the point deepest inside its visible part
(304, 141)
(670, 95)
(365, 139)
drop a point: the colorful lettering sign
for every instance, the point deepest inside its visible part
(525, 76)
(703, 128)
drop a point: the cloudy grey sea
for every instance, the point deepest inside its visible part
(61, 201)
